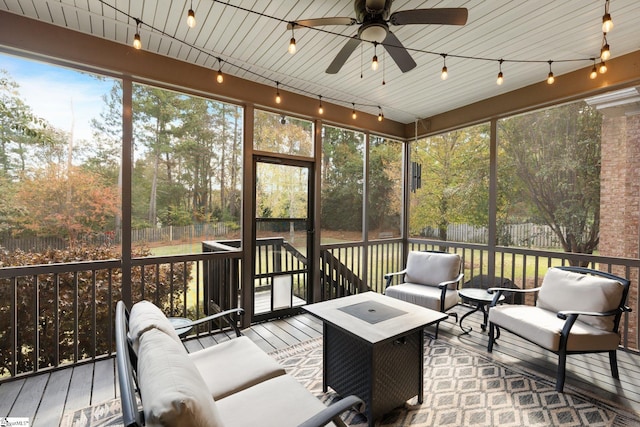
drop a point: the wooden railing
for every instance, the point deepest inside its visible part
(61, 314)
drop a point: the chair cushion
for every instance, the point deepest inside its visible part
(543, 327)
(239, 364)
(144, 316)
(280, 401)
(173, 392)
(567, 290)
(426, 296)
(431, 268)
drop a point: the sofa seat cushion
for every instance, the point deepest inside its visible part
(234, 365)
(543, 327)
(568, 290)
(172, 391)
(425, 296)
(431, 268)
(279, 402)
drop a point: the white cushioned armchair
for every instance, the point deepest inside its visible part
(430, 279)
(577, 310)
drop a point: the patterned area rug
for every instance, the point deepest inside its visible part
(462, 388)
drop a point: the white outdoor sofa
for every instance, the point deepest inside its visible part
(232, 384)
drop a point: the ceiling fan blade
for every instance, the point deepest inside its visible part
(343, 55)
(321, 21)
(398, 52)
(445, 16)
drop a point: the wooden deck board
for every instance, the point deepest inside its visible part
(45, 397)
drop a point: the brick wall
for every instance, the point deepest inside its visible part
(620, 199)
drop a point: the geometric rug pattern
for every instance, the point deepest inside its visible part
(462, 388)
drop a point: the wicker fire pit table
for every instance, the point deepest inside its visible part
(373, 347)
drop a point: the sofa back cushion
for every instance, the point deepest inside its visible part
(173, 392)
(568, 290)
(431, 268)
(145, 316)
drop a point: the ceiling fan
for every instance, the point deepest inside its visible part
(374, 18)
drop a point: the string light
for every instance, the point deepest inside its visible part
(278, 99)
(374, 61)
(607, 22)
(380, 115)
(594, 71)
(320, 109)
(353, 112)
(445, 73)
(500, 78)
(602, 68)
(137, 43)
(292, 42)
(605, 53)
(219, 77)
(550, 78)
(191, 17)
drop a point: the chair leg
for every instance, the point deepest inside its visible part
(613, 361)
(562, 362)
(437, 327)
(491, 337)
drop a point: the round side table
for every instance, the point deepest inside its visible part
(480, 299)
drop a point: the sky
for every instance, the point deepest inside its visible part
(57, 94)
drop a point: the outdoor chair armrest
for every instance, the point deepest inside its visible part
(500, 291)
(332, 412)
(445, 284)
(224, 315)
(389, 276)
(566, 313)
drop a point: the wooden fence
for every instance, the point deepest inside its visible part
(520, 235)
(144, 235)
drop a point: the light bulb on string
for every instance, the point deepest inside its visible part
(292, 42)
(137, 43)
(320, 108)
(353, 112)
(374, 61)
(605, 53)
(191, 17)
(219, 76)
(550, 78)
(594, 71)
(380, 115)
(278, 98)
(445, 73)
(602, 68)
(500, 78)
(607, 22)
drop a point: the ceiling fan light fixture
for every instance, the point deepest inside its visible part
(375, 32)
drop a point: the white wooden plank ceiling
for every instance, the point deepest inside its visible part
(251, 38)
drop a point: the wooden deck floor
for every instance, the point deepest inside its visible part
(44, 398)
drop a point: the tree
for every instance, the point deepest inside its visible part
(455, 168)
(555, 153)
(385, 184)
(67, 204)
